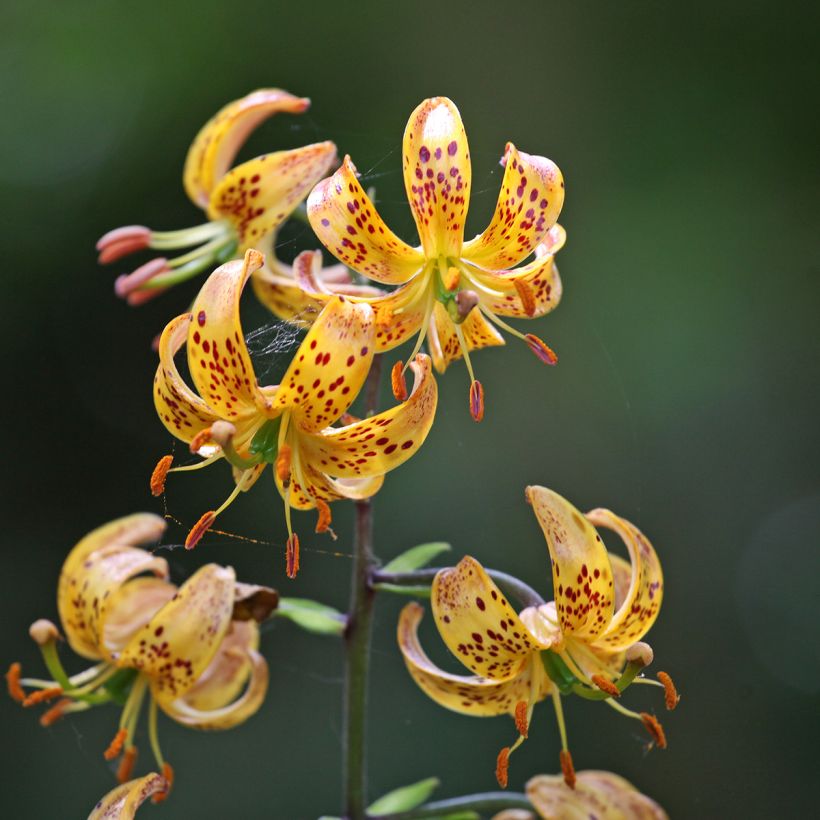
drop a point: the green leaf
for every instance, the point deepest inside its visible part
(459, 815)
(417, 557)
(312, 616)
(397, 589)
(119, 685)
(405, 798)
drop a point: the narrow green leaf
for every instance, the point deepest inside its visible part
(312, 616)
(417, 557)
(404, 798)
(397, 589)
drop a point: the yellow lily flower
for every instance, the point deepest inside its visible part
(450, 291)
(592, 631)
(285, 425)
(245, 205)
(122, 802)
(603, 795)
(118, 608)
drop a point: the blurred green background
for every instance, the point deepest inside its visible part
(685, 399)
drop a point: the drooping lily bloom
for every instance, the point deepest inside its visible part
(450, 290)
(245, 205)
(191, 649)
(288, 425)
(586, 642)
(122, 802)
(598, 794)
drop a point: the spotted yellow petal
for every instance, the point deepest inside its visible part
(308, 484)
(437, 175)
(183, 413)
(375, 445)
(581, 573)
(477, 622)
(469, 695)
(257, 196)
(531, 196)
(96, 567)
(122, 802)
(330, 366)
(215, 146)
(178, 644)
(443, 341)
(233, 713)
(642, 601)
(349, 226)
(218, 357)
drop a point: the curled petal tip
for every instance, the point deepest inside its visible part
(397, 381)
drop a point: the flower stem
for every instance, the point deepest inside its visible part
(357, 641)
(488, 801)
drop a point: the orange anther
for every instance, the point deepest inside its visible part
(653, 726)
(671, 693)
(199, 529)
(168, 774)
(544, 352)
(126, 767)
(292, 556)
(451, 279)
(397, 381)
(567, 768)
(502, 767)
(115, 747)
(159, 475)
(55, 713)
(202, 438)
(282, 465)
(521, 722)
(606, 685)
(324, 515)
(16, 691)
(526, 296)
(477, 401)
(43, 696)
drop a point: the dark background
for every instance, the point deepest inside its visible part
(685, 398)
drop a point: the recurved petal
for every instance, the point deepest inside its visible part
(257, 196)
(218, 357)
(330, 366)
(444, 344)
(310, 484)
(217, 143)
(183, 413)
(603, 795)
(581, 574)
(96, 567)
(122, 802)
(178, 644)
(376, 445)
(437, 175)
(643, 598)
(469, 695)
(232, 714)
(349, 226)
(531, 196)
(477, 622)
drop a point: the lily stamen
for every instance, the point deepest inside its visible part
(160, 473)
(115, 747)
(42, 696)
(126, 767)
(16, 691)
(670, 692)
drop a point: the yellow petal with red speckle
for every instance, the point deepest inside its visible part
(231, 714)
(311, 484)
(478, 624)
(443, 342)
(122, 802)
(581, 573)
(501, 292)
(257, 196)
(178, 644)
(530, 199)
(218, 357)
(217, 143)
(95, 568)
(437, 175)
(349, 226)
(329, 367)
(642, 601)
(183, 413)
(375, 445)
(469, 695)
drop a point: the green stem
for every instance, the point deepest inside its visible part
(488, 801)
(357, 641)
(526, 595)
